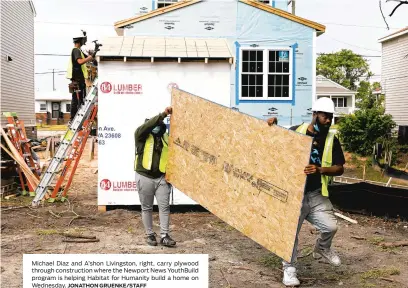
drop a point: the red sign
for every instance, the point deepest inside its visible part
(105, 184)
(107, 87)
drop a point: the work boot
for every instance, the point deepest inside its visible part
(327, 253)
(290, 277)
(167, 241)
(151, 240)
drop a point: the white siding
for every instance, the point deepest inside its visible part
(395, 78)
(17, 76)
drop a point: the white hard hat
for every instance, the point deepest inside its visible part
(323, 105)
(81, 35)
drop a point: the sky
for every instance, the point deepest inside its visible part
(350, 24)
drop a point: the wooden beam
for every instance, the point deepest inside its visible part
(206, 60)
(124, 59)
(285, 14)
(231, 61)
(16, 156)
(179, 60)
(152, 59)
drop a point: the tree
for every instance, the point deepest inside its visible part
(344, 67)
(365, 99)
(360, 131)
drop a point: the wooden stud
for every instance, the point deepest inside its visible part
(124, 59)
(152, 59)
(91, 149)
(231, 61)
(206, 60)
(102, 208)
(10, 196)
(179, 60)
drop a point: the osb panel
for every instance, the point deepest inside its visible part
(245, 172)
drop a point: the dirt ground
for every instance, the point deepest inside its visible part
(235, 260)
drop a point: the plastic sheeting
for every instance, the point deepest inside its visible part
(370, 199)
(128, 94)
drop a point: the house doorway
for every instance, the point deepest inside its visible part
(55, 112)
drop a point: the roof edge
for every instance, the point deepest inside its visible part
(153, 13)
(396, 34)
(282, 13)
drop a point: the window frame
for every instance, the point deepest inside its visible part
(166, 2)
(265, 73)
(337, 101)
(45, 108)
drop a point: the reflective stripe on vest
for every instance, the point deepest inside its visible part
(83, 66)
(148, 153)
(327, 158)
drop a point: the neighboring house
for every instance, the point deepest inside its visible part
(17, 62)
(394, 76)
(343, 98)
(52, 108)
(272, 52)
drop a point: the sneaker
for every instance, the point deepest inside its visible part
(290, 277)
(167, 241)
(329, 254)
(151, 240)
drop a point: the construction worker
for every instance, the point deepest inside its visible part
(326, 161)
(151, 141)
(77, 73)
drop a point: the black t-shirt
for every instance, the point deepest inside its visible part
(77, 73)
(313, 181)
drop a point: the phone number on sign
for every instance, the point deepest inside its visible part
(102, 136)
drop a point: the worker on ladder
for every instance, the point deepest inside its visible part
(326, 161)
(77, 72)
(151, 144)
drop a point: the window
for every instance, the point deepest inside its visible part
(266, 74)
(165, 3)
(43, 107)
(339, 101)
(67, 108)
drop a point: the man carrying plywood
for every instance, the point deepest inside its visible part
(326, 160)
(151, 141)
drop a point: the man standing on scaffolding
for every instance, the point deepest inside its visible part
(77, 73)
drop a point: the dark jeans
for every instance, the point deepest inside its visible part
(77, 99)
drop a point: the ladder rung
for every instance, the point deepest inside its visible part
(26, 154)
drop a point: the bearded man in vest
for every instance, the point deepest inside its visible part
(151, 140)
(77, 73)
(326, 161)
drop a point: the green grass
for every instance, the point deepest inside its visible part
(377, 273)
(270, 261)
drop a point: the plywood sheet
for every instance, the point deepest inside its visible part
(245, 172)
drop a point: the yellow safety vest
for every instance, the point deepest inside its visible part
(83, 66)
(326, 159)
(148, 153)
